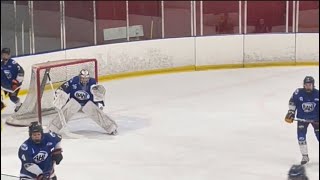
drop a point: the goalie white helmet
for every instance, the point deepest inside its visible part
(84, 76)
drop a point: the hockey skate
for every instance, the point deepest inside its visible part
(2, 105)
(305, 159)
(115, 132)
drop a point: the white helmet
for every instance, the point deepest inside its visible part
(84, 76)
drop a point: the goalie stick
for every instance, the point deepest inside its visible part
(64, 130)
(10, 90)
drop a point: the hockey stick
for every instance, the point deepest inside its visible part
(8, 175)
(306, 120)
(64, 130)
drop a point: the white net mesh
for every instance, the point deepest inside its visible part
(59, 71)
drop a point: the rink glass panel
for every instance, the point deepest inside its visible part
(86, 21)
(177, 19)
(198, 16)
(79, 23)
(148, 15)
(7, 26)
(47, 33)
(272, 12)
(308, 16)
(23, 28)
(216, 12)
(110, 15)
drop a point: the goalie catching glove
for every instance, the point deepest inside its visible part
(98, 92)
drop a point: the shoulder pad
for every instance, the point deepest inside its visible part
(297, 91)
(24, 146)
(54, 135)
(75, 79)
(93, 80)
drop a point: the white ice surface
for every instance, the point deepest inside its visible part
(207, 125)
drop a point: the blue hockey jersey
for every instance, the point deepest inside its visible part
(10, 71)
(78, 91)
(307, 104)
(39, 154)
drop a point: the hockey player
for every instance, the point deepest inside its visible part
(304, 104)
(82, 93)
(12, 75)
(39, 153)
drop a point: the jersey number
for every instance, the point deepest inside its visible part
(8, 74)
(23, 157)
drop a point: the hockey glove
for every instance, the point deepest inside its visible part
(57, 156)
(43, 177)
(290, 116)
(15, 84)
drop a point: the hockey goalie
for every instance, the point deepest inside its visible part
(81, 94)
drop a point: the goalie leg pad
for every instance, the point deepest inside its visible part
(61, 99)
(68, 111)
(99, 117)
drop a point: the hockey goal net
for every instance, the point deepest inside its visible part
(39, 100)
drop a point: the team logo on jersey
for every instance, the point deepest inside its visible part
(74, 86)
(52, 134)
(301, 98)
(82, 95)
(308, 106)
(41, 156)
(49, 143)
(24, 147)
(316, 99)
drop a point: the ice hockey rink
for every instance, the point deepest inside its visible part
(205, 125)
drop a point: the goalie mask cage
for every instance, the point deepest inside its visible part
(39, 100)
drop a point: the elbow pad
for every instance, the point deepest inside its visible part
(292, 106)
(20, 78)
(33, 168)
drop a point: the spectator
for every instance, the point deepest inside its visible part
(261, 27)
(224, 26)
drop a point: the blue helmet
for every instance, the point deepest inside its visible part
(5, 51)
(308, 79)
(297, 172)
(35, 127)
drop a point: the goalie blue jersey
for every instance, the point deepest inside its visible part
(9, 72)
(307, 104)
(79, 92)
(39, 154)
